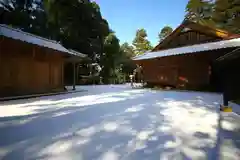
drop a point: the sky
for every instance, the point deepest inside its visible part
(126, 16)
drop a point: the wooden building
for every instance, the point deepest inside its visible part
(185, 59)
(30, 64)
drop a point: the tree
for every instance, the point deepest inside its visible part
(127, 53)
(216, 13)
(226, 15)
(141, 43)
(109, 60)
(165, 32)
(19, 13)
(80, 24)
(128, 49)
(200, 11)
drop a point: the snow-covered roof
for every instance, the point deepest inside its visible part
(17, 34)
(191, 49)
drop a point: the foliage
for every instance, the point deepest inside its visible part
(109, 60)
(216, 13)
(165, 32)
(118, 77)
(80, 24)
(141, 43)
(128, 50)
(199, 11)
(116, 61)
(226, 15)
(127, 53)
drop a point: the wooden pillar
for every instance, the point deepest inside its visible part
(225, 90)
(63, 73)
(77, 73)
(225, 98)
(1, 51)
(33, 77)
(74, 77)
(91, 80)
(0, 57)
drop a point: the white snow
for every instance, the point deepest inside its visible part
(118, 122)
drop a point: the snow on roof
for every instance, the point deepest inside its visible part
(33, 39)
(191, 49)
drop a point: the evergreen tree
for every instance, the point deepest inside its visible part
(141, 42)
(200, 11)
(227, 15)
(165, 32)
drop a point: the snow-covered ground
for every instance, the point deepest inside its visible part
(117, 122)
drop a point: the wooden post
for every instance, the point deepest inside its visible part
(101, 80)
(77, 73)
(1, 40)
(63, 74)
(225, 90)
(1, 51)
(226, 97)
(33, 77)
(74, 77)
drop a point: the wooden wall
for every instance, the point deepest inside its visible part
(28, 69)
(179, 71)
(188, 71)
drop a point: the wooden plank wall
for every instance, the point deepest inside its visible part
(182, 71)
(27, 69)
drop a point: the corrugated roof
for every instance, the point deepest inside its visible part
(33, 39)
(191, 49)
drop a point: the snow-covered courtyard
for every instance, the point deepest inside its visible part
(117, 122)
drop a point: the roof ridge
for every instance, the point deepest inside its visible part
(30, 34)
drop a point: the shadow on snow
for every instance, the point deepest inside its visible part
(124, 124)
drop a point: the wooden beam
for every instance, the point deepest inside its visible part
(50, 81)
(74, 77)
(62, 73)
(1, 41)
(34, 74)
(77, 73)
(74, 59)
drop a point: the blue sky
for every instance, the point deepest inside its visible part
(126, 16)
